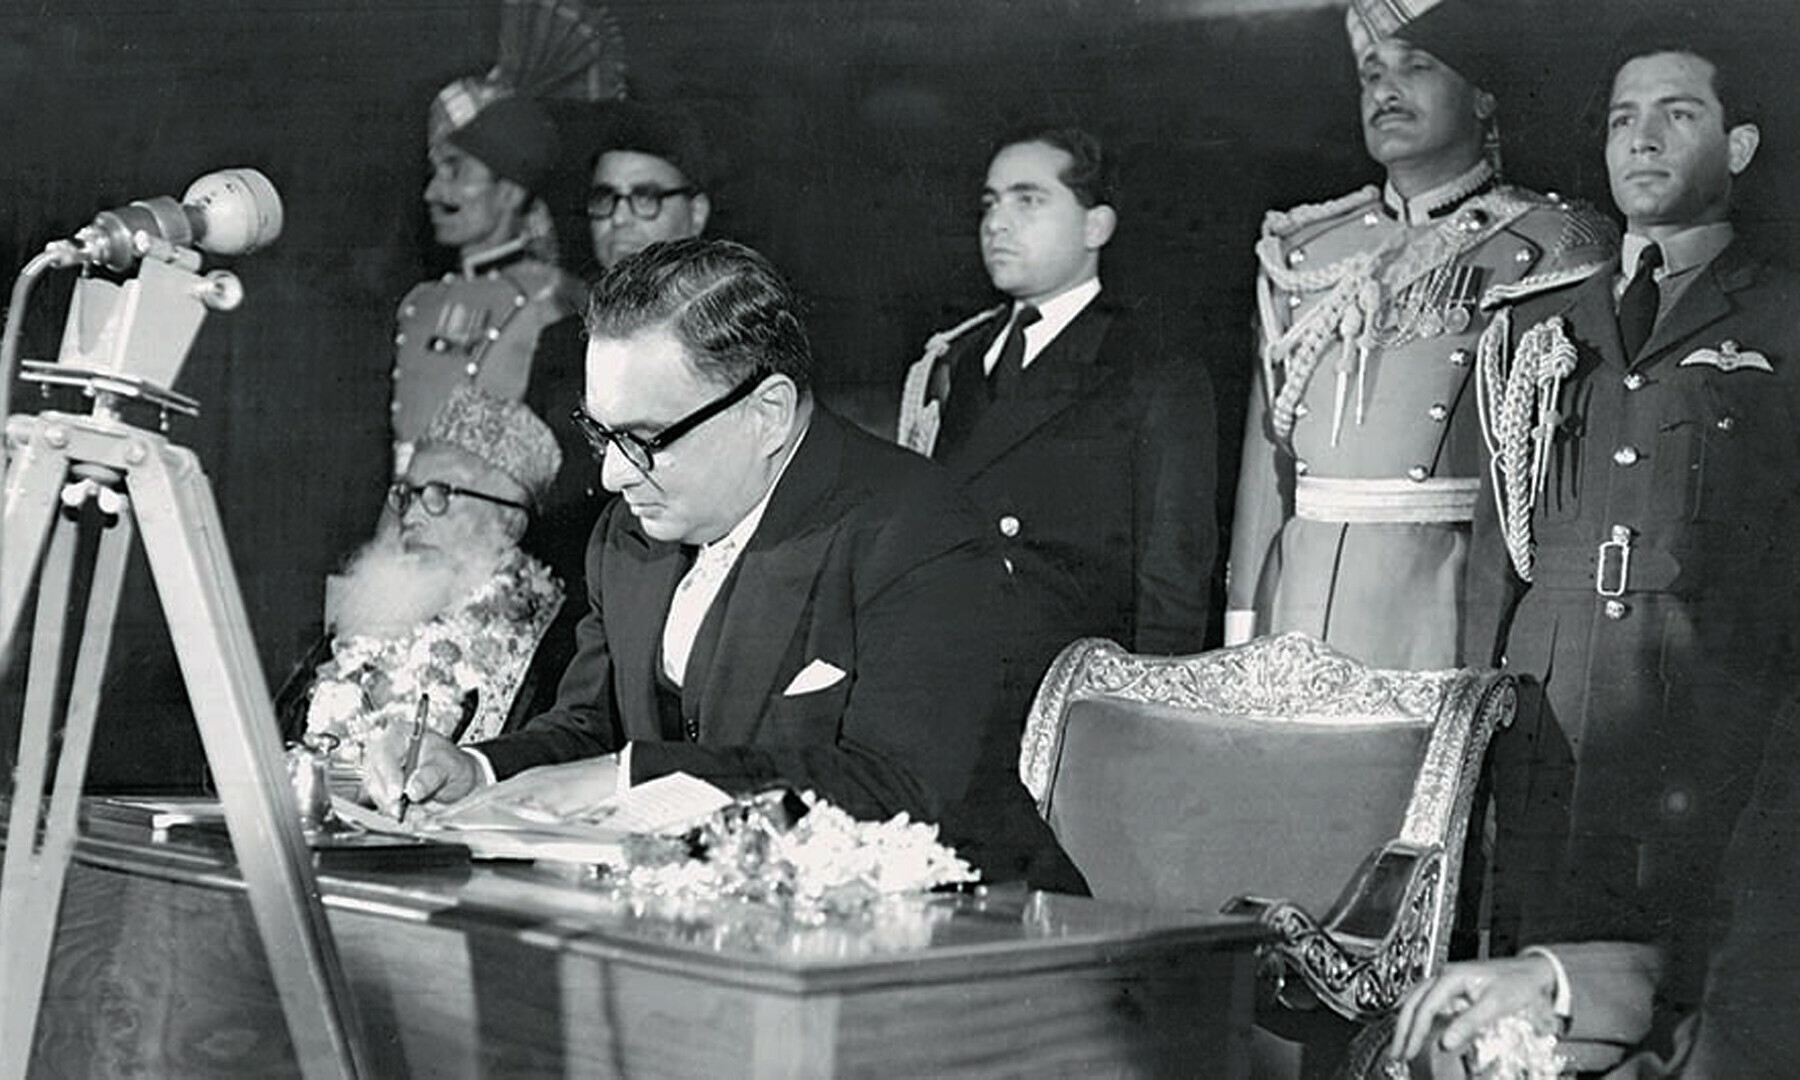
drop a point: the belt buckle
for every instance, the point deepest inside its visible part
(1615, 556)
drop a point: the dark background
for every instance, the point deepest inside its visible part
(855, 132)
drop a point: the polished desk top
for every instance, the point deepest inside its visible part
(989, 932)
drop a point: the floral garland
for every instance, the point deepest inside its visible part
(795, 853)
(1514, 1048)
(468, 662)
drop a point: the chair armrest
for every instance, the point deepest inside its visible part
(1375, 944)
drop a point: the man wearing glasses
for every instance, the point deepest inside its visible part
(441, 602)
(649, 181)
(768, 594)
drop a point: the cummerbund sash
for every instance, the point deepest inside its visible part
(1396, 501)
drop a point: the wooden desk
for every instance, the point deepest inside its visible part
(510, 971)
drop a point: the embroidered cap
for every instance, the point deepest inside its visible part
(505, 434)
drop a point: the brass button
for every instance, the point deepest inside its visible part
(1725, 423)
(1635, 381)
(1438, 411)
(1625, 456)
(1677, 802)
(1459, 358)
(1371, 219)
(1523, 255)
(472, 367)
(1300, 467)
(1293, 299)
(1616, 610)
(692, 728)
(1296, 257)
(1417, 472)
(1300, 409)
(1009, 526)
(400, 338)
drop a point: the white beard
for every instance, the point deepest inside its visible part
(386, 590)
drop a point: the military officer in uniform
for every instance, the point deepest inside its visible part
(490, 150)
(1361, 452)
(1634, 560)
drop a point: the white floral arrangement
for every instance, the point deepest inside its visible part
(467, 661)
(1515, 1048)
(795, 852)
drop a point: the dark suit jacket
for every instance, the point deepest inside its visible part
(865, 559)
(1098, 480)
(1643, 714)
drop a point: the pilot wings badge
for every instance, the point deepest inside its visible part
(1728, 357)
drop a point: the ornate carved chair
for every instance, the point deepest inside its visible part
(1278, 778)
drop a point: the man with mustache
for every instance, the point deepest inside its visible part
(1089, 445)
(1362, 456)
(1635, 565)
(490, 151)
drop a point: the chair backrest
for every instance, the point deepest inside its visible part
(1273, 768)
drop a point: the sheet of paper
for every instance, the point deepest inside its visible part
(499, 830)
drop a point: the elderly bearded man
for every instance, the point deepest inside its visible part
(441, 603)
(767, 594)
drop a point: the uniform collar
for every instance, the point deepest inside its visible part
(494, 258)
(1428, 206)
(1686, 250)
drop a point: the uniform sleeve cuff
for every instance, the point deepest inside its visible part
(624, 760)
(1240, 626)
(1562, 1005)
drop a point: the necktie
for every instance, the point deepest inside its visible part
(1003, 381)
(693, 598)
(1637, 308)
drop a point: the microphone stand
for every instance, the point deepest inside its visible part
(127, 342)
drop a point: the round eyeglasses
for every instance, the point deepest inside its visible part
(434, 496)
(645, 202)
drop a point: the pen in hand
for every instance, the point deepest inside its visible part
(410, 761)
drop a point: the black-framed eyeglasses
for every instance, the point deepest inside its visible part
(641, 452)
(645, 202)
(434, 496)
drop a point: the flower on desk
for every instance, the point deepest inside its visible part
(468, 661)
(798, 853)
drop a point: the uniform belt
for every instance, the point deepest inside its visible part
(1449, 501)
(1611, 569)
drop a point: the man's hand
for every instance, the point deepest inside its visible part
(562, 791)
(445, 772)
(1470, 996)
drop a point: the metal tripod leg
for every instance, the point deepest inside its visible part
(184, 542)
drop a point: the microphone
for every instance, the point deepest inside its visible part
(229, 212)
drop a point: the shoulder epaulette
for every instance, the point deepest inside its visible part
(1571, 232)
(1287, 222)
(1545, 282)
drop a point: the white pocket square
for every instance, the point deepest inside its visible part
(815, 676)
(1729, 356)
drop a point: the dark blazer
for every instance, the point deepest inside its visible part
(866, 560)
(1098, 480)
(1643, 713)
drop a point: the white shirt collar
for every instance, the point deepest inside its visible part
(1685, 250)
(740, 534)
(1056, 313)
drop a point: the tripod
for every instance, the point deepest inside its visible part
(66, 464)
